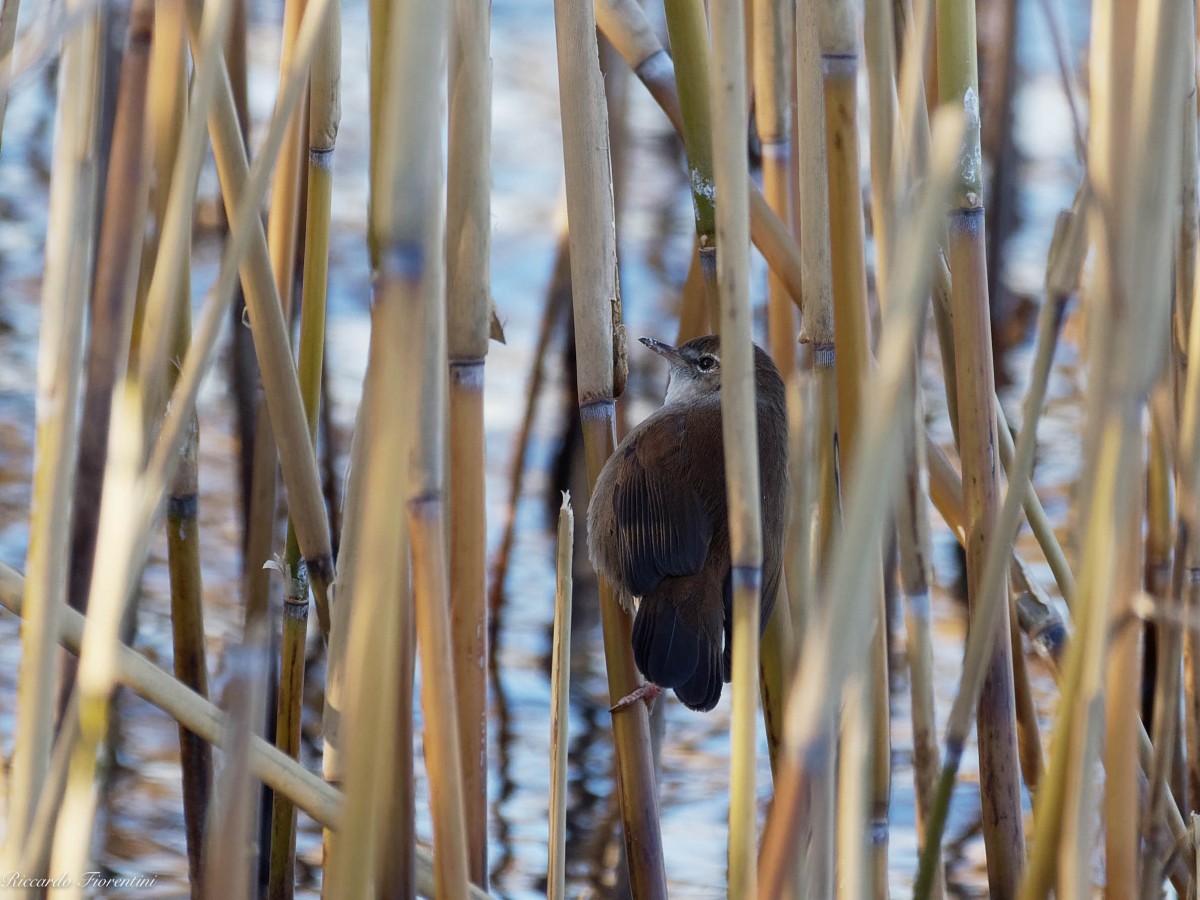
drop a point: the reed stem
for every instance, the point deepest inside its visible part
(468, 249)
(280, 384)
(595, 295)
(560, 690)
(999, 769)
(738, 418)
(68, 272)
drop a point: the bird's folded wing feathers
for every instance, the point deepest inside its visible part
(663, 529)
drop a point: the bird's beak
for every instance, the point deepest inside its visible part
(666, 351)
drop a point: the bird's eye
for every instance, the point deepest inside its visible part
(707, 363)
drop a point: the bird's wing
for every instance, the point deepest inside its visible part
(663, 528)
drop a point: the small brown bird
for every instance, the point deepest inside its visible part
(658, 526)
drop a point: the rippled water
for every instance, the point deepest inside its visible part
(142, 825)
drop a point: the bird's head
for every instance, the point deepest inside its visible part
(696, 370)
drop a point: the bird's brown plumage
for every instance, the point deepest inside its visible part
(658, 530)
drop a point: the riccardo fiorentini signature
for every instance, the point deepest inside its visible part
(94, 880)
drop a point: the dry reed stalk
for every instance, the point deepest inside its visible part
(36, 857)
(772, 39)
(817, 873)
(468, 291)
(119, 544)
(122, 546)
(373, 595)
(398, 815)
(337, 691)
(412, 319)
(914, 120)
(897, 146)
(773, 64)
(841, 638)
(148, 681)
(854, 876)
(1185, 289)
(687, 29)
(113, 302)
(323, 119)
(560, 689)
(999, 768)
(1131, 226)
(837, 36)
(65, 284)
(283, 218)
(427, 527)
(168, 73)
(624, 24)
(599, 338)
(1118, 57)
(280, 384)
(1066, 259)
(228, 867)
(727, 86)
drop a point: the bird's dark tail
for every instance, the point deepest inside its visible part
(674, 655)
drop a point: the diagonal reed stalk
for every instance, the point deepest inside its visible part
(468, 250)
(560, 690)
(739, 432)
(1186, 265)
(268, 327)
(842, 637)
(68, 272)
(999, 769)
(595, 298)
(152, 684)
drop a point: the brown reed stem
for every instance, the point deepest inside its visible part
(998, 759)
(773, 41)
(468, 249)
(560, 689)
(818, 871)
(69, 247)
